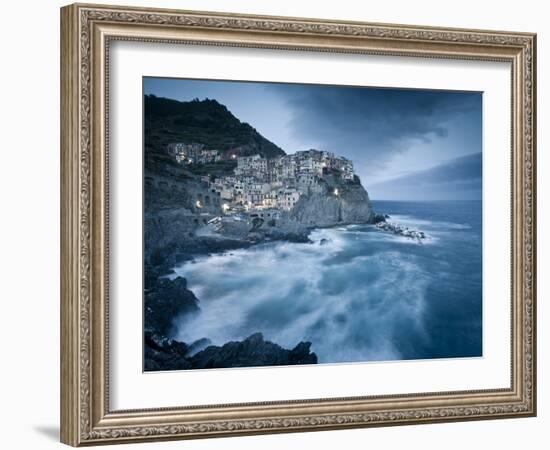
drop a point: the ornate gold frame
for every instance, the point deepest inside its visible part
(86, 31)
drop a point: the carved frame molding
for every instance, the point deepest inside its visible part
(86, 32)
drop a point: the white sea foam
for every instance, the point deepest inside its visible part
(349, 302)
(413, 221)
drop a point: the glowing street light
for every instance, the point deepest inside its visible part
(198, 204)
(225, 207)
(336, 192)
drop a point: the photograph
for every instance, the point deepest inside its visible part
(293, 224)
(281, 221)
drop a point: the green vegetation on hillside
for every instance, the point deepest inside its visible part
(206, 122)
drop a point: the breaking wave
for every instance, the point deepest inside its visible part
(355, 293)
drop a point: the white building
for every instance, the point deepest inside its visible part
(287, 198)
(193, 153)
(253, 165)
(261, 183)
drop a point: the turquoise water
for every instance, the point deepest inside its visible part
(362, 295)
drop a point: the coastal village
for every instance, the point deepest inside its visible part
(213, 185)
(258, 183)
(264, 188)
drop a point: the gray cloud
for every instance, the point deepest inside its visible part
(457, 179)
(374, 124)
(386, 132)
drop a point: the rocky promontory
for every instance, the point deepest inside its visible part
(182, 199)
(341, 202)
(168, 354)
(201, 197)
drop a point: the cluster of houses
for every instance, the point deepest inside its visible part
(266, 184)
(193, 153)
(300, 167)
(261, 183)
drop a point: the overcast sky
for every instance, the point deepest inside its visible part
(405, 143)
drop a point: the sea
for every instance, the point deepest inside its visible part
(356, 293)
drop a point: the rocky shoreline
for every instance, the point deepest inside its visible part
(184, 217)
(166, 300)
(174, 234)
(162, 353)
(401, 230)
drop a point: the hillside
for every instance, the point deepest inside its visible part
(201, 121)
(184, 216)
(179, 202)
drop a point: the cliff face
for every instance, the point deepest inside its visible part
(172, 214)
(342, 202)
(178, 207)
(177, 201)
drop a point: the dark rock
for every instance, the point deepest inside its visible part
(165, 301)
(257, 222)
(378, 218)
(301, 354)
(152, 274)
(253, 351)
(198, 345)
(161, 353)
(168, 354)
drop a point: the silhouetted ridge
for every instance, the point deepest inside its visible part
(205, 122)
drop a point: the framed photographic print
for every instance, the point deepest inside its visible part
(276, 224)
